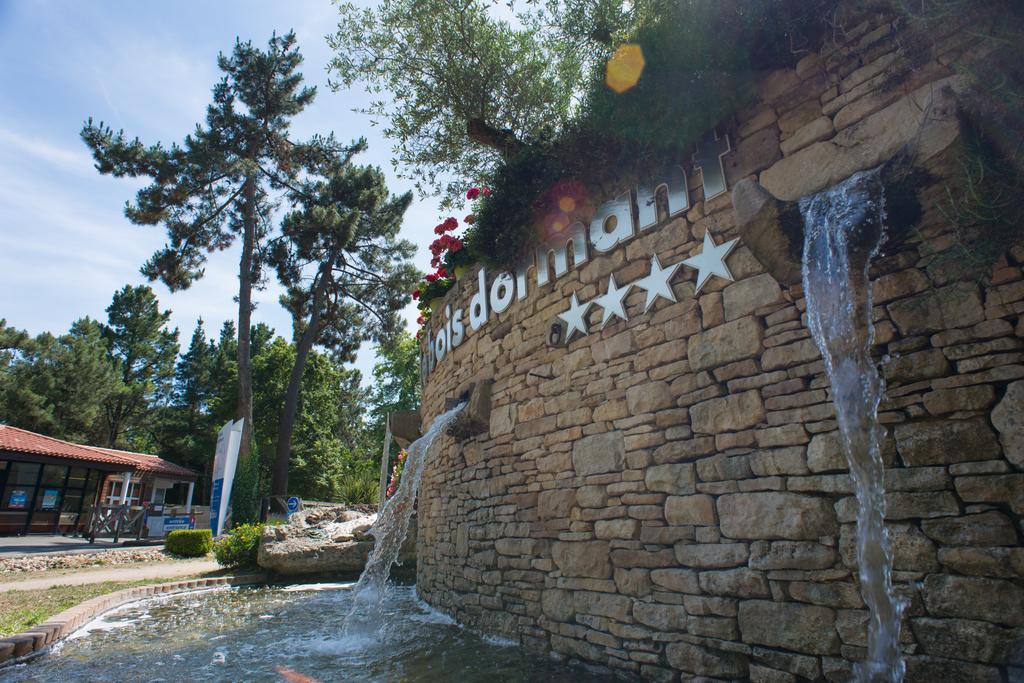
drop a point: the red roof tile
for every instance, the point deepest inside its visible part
(22, 441)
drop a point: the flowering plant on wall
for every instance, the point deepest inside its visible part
(396, 473)
(449, 258)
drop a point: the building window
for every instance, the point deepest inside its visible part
(116, 485)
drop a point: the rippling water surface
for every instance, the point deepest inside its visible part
(282, 634)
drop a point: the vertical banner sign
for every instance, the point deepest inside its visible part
(224, 462)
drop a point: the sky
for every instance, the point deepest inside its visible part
(147, 68)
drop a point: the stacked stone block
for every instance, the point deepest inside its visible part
(666, 496)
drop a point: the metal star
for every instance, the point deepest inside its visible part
(657, 283)
(611, 301)
(574, 317)
(711, 260)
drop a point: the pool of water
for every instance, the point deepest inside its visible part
(281, 634)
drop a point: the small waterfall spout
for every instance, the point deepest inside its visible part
(843, 233)
(390, 531)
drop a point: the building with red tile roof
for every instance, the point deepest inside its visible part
(49, 485)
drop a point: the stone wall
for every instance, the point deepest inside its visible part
(665, 496)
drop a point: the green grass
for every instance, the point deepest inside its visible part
(21, 610)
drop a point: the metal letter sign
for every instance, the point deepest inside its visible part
(615, 223)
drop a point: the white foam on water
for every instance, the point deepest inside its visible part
(326, 586)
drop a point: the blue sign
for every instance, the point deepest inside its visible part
(17, 500)
(293, 504)
(218, 487)
(179, 522)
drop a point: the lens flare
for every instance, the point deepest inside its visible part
(624, 68)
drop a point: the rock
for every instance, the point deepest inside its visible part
(771, 229)
(676, 580)
(945, 442)
(996, 488)
(750, 294)
(897, 285)
(818, 129)
(690, 510)
(739, 583)
(911, 549)
(588, 559)
(556, 504)
(774, 515)
(1005, 563)
(727, 343)
(945, 401)
(675, 478)
(729, 413)
(635, 582)
(706, 662)
(976, 641)
(323, 540)
(925, 120)
(985, 529)
(599, 453)
(791, 555)
(993, 600)
(602, 604)
(956, 305)
(1008, 418)
(825, 454)
(913, 367)
(802, 628)
(660, 617)
(711, 555)
(781, 357)
(557, 604)
(625, 528)
(591, 496)
(922, 668)
(649, 397)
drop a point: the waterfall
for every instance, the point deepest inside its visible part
(843, 231)
(389, 532)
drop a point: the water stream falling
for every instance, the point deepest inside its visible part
(389, 531)
(843, 231)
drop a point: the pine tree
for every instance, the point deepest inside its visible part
(218, 185)
(344, 231)
(144, 350)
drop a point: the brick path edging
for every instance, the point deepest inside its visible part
(70, 620)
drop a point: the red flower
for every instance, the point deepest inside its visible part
(473, 193)
(487, 192)
(442, 272)
(450, 223)
(432, 277)
(455, 245)
(435, 262)
(419, 321)
(415, 294)
(471, 219)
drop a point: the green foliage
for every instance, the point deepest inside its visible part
(240, 547)
(144, 350)
(189, 542)
(700, 60)
(360, 486)
(345, 229)
(247, 490)
(458, 86)
(396, 384)
(60, 386)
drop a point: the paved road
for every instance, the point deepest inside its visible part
(12, 546)
(79, 577)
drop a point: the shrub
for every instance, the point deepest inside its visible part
(239, 547)
(362, 486)
(189, 542)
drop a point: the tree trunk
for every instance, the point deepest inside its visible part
(279, 484)
(244, 404)
(504, 141)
